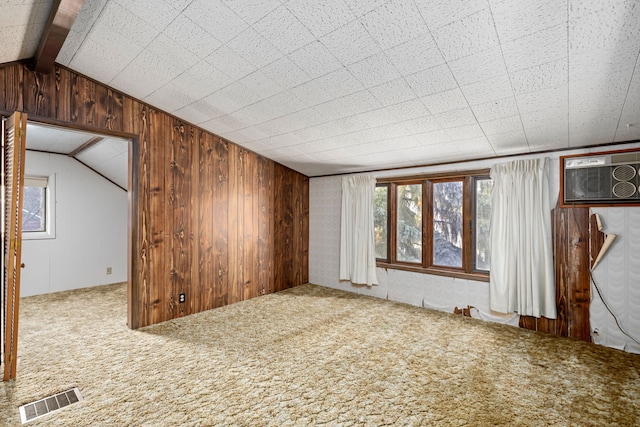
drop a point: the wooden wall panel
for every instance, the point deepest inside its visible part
(571, 262)
(212, 220)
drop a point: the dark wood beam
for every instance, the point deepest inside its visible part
(63, 15)
(90, 143)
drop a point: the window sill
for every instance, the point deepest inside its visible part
(480, 277)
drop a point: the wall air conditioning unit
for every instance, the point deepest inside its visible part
(601, 179)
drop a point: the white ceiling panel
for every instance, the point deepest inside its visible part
(394, 23)
(415, 55)
(515, 18)
(350, 43)
(504, 76)
(469, 35)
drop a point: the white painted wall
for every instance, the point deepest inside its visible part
(445, 293)
(91, 230)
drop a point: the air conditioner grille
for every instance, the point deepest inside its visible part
(624, 172)
(624, 189)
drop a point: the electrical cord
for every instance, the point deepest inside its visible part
(597, 288)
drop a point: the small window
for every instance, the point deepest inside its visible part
(447, 224)
(381, 220)
(482, 209)
(37, 208)
(409, 223)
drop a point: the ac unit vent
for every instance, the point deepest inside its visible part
(602, 179)
(624, 172)
(624, 189)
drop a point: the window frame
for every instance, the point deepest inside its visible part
(468, 179)
(49, 210)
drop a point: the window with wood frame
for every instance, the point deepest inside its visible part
(437, 224)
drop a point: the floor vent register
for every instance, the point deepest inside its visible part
(42, 407)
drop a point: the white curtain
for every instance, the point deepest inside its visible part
(522, 275)
(357, 245)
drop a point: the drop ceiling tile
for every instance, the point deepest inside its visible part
(85, 20)
(321, 17)
(509, 143)
(102, 62)
(252, 10)
(422, 124)
(469, 35)
(465, 132)
(169, 97)
(284, 31)
(315, 59)
(630, 109)
(455, 118)
(433, 137)
(547, 138)
(213, 15)
(230, 63)
(393, 92)
(232, 97)
(254, 48)
(415, 55)
(515, 19)
(536, 49)
(350, 43)
(285, 73)
(445, 101)
(431, 80)
(612, 31)
(378, 117)
(545, 99)
(394, 23)
(488, 90)
(191, 36)
(260, 85)
(156, 13)
(544, 76)
(495, 109)
(350, 124)
(120, 27)
(222, 124)
(438, 13)
(505, 125)
(474, 147)
(359, 102)
(201, 111)
(201, 80)
(373, 71)
(408, 110)
(312, 93)
(479, 66)
(546, 117)
(340, 83)
(359, 7)
(156, 71)
(17, 15)
(175, 60)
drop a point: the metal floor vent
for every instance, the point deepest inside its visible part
(40, 408)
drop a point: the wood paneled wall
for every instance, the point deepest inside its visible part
(573, 287)
(208, 218)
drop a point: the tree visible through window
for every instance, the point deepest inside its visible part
(34, 205)
(409, 223)
(447, 224)
(446, 233)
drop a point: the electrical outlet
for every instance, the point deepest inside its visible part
(182, 297)
(108, 270)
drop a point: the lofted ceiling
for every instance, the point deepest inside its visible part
(109, 156)
(338, 86)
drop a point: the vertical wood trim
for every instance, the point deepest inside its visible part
(233, 219)
(221, 218)
(204, 192)
(157, 217)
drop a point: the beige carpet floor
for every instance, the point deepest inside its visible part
(309, 356)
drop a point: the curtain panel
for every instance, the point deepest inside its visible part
(357, 245)
(522, 274)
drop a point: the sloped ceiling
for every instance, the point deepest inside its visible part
(339, 86)
(109, 156)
